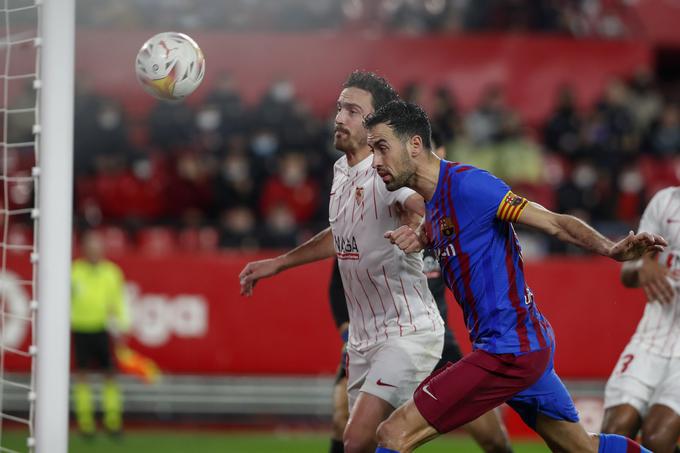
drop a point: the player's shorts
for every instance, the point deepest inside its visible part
(642, 380)
(92, 351)
(451, 352)
(392, 370)
(480, 381)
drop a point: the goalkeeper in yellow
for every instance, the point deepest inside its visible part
(98, 313)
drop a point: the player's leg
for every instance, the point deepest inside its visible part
(628, 392)
(367, 413)
(459, 393)
(83, 402)
(661, 426)
(395, 369)
(622, 419)
(548, 408)
(661, 429)
(488, 430)
(112, 400)
(490, 433)
(571, 437)
(340, 410)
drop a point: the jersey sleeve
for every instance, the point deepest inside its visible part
(488, 197)
(651, 221)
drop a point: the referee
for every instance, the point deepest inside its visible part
(97, 305)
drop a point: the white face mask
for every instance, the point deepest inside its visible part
(208, 119)
(584, 176)
(283, 91)
(108, 118)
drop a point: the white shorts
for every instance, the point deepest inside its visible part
(392, 370)
(642, 380)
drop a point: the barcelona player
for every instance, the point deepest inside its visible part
(468, 222)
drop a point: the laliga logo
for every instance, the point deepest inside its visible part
(155, 317)
(17, 307)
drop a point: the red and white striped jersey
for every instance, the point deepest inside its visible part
(659, 328)
(386, 289)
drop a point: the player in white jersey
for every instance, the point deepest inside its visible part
(643, 392)
(396, 333)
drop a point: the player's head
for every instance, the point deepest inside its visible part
(362, 94)
(92, 246)
(399, 134)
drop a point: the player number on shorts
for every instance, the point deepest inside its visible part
(626, 359)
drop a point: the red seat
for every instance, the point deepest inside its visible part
(156, 241)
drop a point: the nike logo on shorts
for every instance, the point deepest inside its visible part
(384, 384)
(427, 391)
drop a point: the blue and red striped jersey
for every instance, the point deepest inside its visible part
(469, 225)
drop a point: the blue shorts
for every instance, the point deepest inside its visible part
(547, 396)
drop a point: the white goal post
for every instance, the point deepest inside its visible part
(55, 181)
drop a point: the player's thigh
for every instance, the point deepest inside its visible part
(368, 412)
(400, 365)
(633, 380)
(661, 428)
(405, 429)
(564, 436)
(623, 419)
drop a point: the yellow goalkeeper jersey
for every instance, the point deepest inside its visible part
(97, 296)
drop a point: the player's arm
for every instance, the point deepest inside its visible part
(647, 273)
(570, 229)
(317, 248)
(411, 236)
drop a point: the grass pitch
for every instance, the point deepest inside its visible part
(235, 442)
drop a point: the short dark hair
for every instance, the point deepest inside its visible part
(405, 119)
(380, 89)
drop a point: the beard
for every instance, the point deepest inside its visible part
(346, 141)
(403, 178)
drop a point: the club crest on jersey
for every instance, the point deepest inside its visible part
(359, 195)
(446, 226)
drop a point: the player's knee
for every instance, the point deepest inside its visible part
(617, 426)
(496, 444)
(657, 441)
(356, 441)
(389, 435)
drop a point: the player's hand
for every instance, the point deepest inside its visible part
(254, 271)
(405, 238)
(634, 246)
(656, 282)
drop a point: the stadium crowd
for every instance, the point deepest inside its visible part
(228, 175)
(607, 18)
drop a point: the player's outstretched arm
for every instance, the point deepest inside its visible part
(652, 277)
(575, 231)
(315, 249)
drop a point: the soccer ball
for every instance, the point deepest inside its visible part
(170, 66)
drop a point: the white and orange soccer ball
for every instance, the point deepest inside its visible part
(170, 66)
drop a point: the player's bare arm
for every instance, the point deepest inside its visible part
(410, 237)
(317, 248)
(575, 231)
(647, 273)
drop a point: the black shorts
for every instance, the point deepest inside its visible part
(451, 352)
(92, 351)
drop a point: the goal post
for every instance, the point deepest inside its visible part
(55, 149)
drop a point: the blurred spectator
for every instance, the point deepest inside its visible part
(191, 189)
(171, 125)
(484, 124)
(235, 182)
(291, 188)
(664, 136)
(237, 227)
(644, 100)
(280, 229)
(445, 116)
(561, 132)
